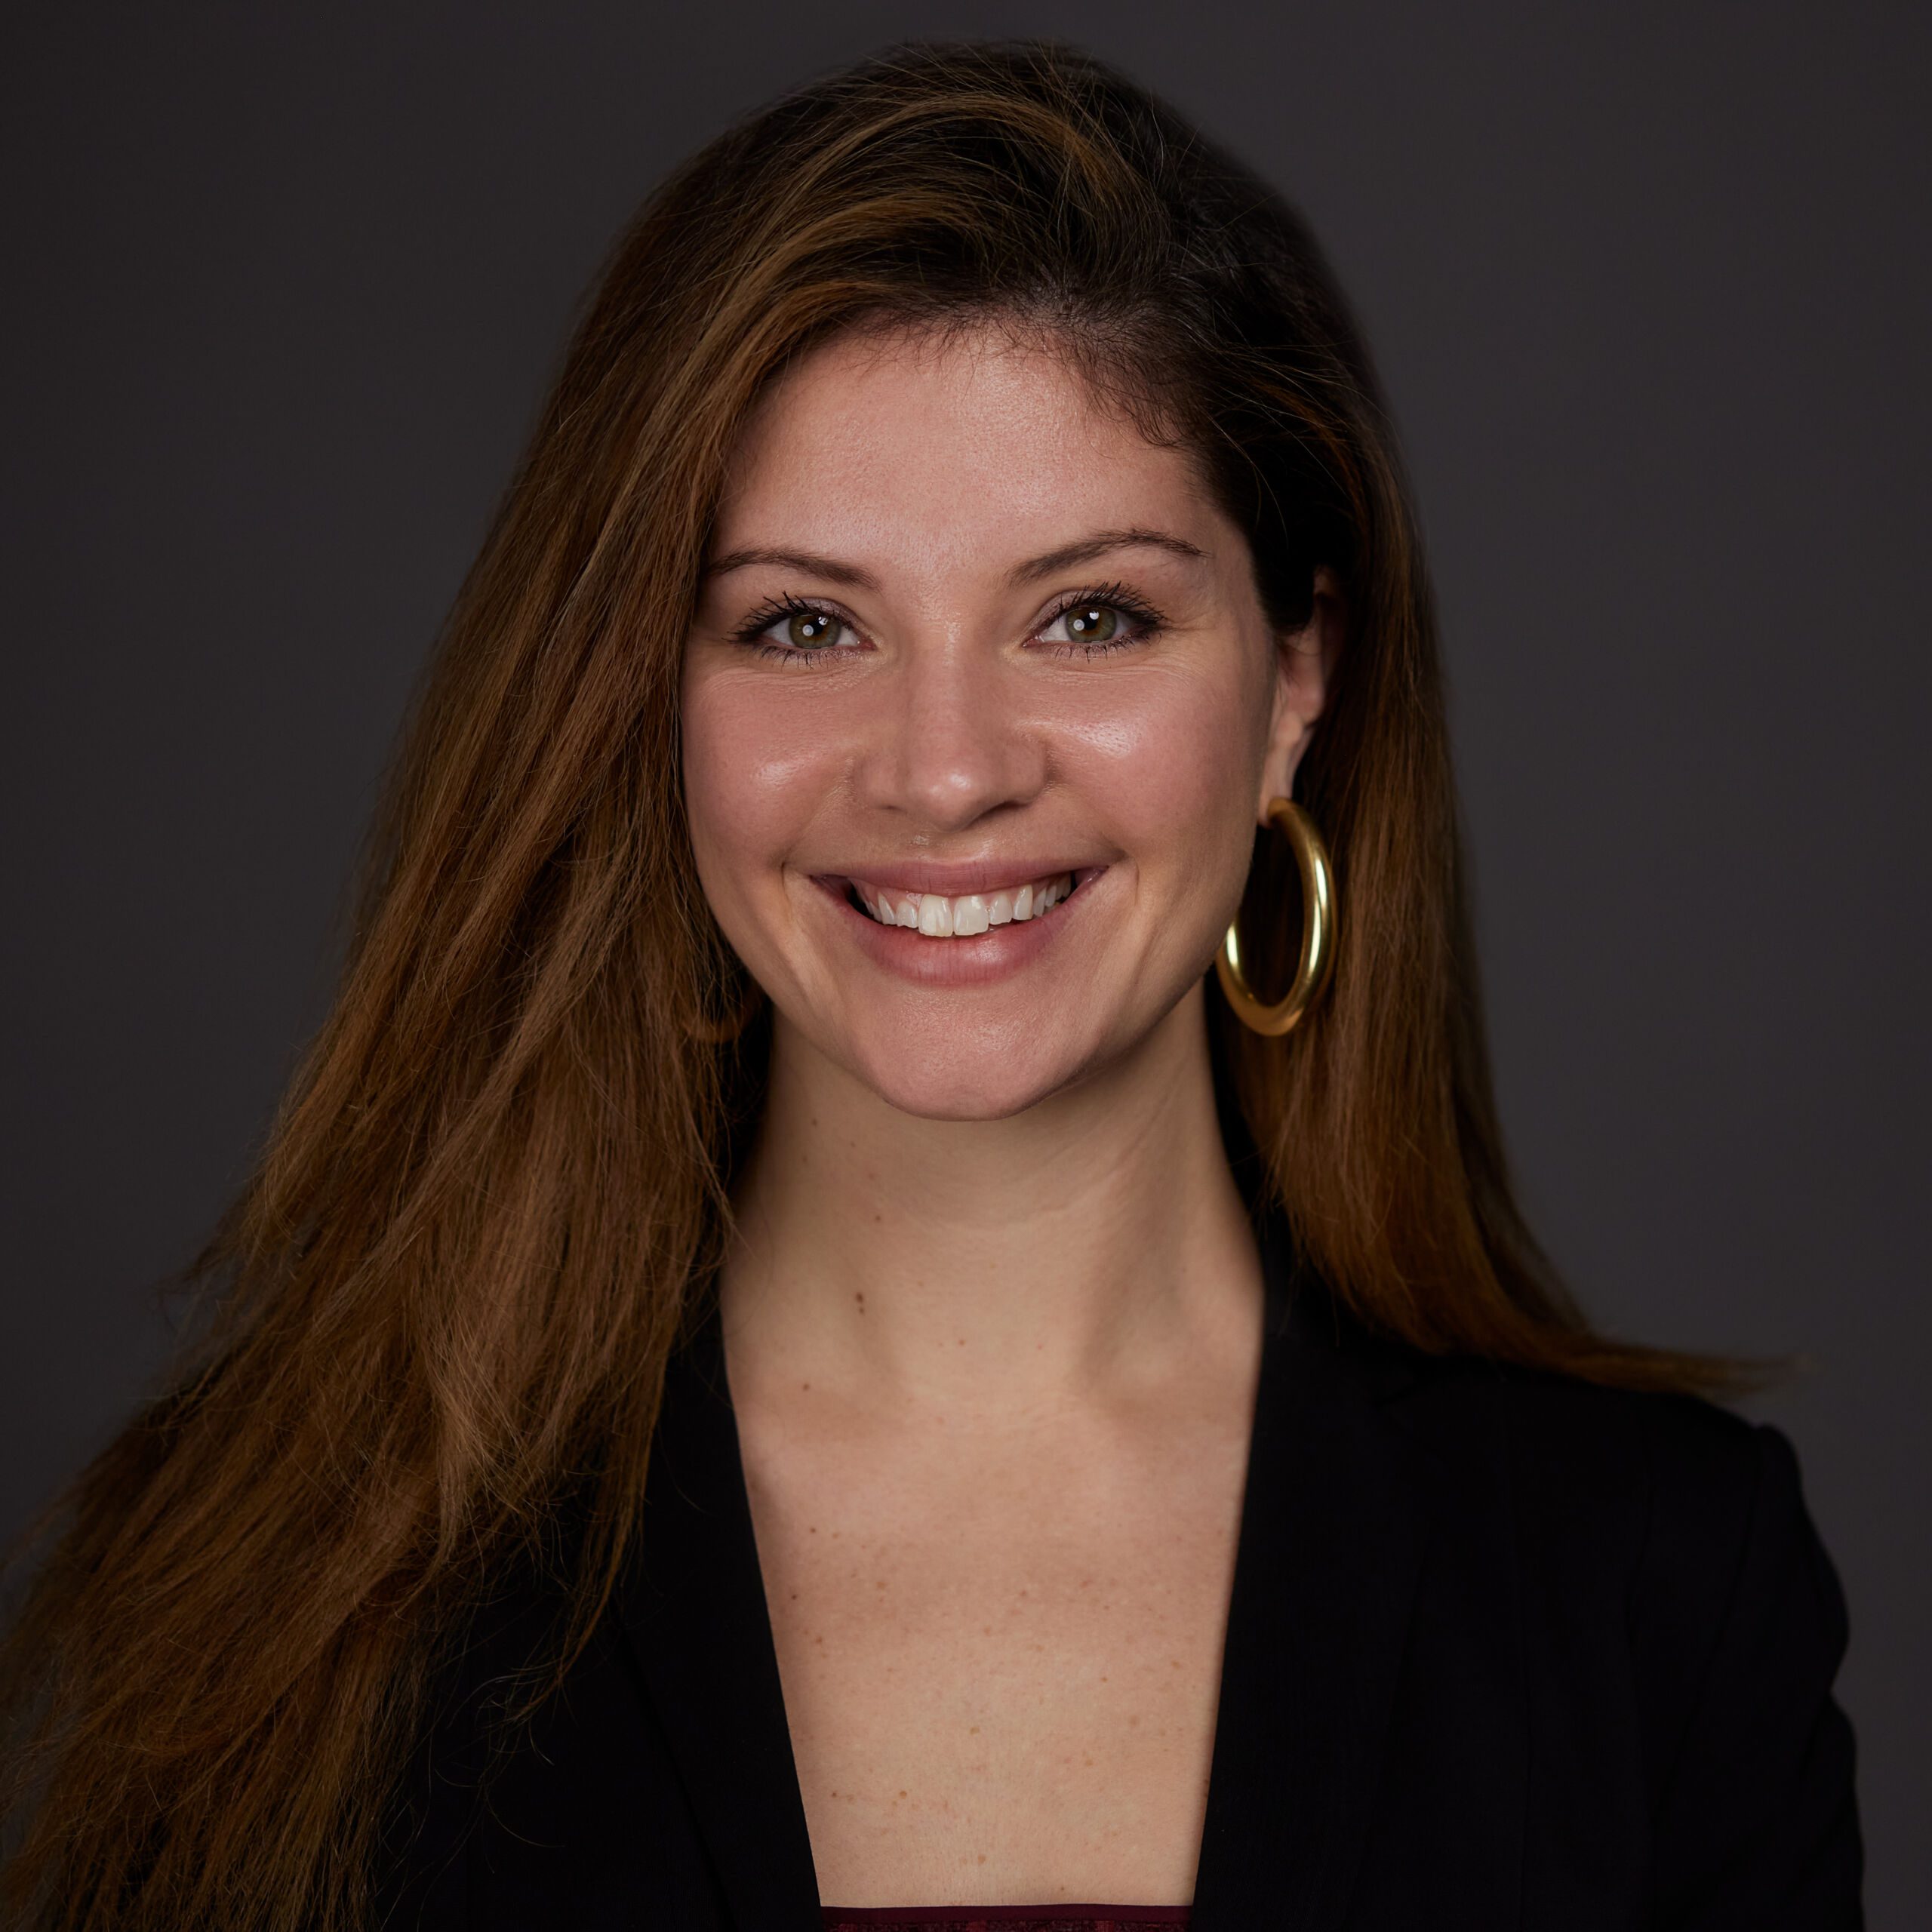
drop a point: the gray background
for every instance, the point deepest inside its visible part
(1649, 288)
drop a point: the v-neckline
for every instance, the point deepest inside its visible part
(1325, 1565)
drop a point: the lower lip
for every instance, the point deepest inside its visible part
(980, 961)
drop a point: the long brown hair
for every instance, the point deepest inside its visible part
(443, 1306)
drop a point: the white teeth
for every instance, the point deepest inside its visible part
(936, 917)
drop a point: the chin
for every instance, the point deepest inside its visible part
(968, 1088)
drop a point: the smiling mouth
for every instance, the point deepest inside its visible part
(934, 915)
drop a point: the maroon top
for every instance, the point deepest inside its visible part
(1007, 1917)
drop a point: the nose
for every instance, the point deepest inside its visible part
(951, 739)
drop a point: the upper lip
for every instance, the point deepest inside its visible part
(957, 878)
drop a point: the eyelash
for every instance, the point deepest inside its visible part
(1148, 624)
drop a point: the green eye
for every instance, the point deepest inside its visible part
(806, 630)
(1092, 623)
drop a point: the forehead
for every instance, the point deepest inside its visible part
(969, 448)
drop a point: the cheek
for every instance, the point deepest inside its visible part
(1174, 761)
(754, 770)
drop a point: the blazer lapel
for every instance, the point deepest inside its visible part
(1325, 1576)
(693, 1610)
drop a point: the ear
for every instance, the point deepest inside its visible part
(1304, 669)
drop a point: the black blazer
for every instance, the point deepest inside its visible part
(1503, 1651)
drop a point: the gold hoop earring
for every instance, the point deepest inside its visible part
(1318, 933)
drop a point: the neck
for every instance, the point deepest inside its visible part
(1095, 1241)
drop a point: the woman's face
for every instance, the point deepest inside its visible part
(973, 654)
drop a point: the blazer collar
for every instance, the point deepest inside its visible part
(1324, 1577)
(692, 1604)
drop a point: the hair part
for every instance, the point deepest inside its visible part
(440, 1312)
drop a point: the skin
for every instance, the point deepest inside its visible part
(992, 1313)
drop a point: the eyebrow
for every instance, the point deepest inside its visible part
(1087, 548)
(1083, 550)
(809, 561)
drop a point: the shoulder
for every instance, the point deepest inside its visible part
(1668, 1587)
(1668, 1578)
(1689, 1506)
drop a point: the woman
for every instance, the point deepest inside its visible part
(891, 1296)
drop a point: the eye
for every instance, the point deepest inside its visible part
(792, 628)
(1097, 622)
(808, 630)
(1090, 623)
